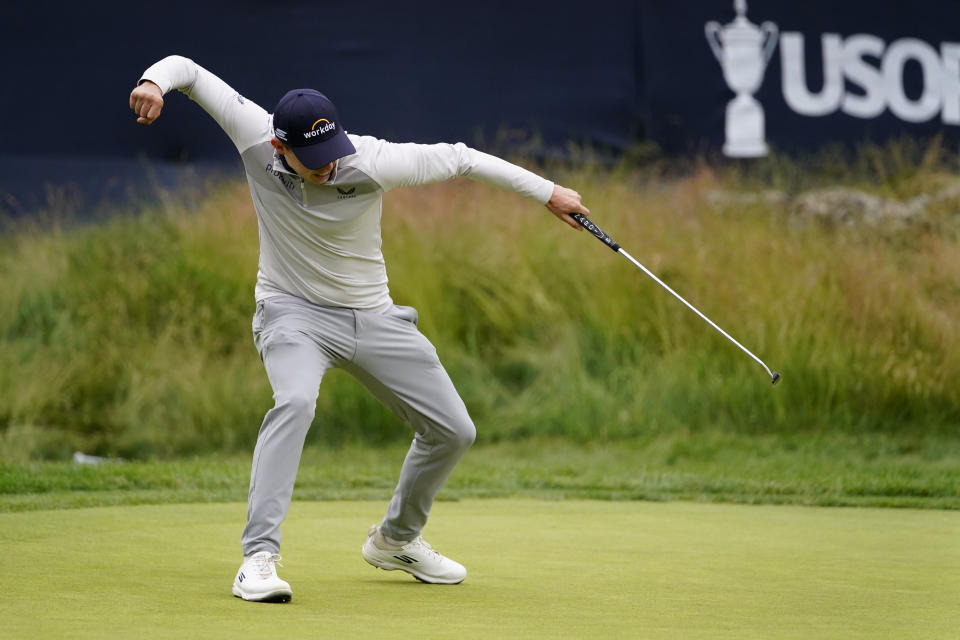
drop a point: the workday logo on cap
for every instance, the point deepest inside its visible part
(320, 127)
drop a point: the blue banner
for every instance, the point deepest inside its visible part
(726, 76)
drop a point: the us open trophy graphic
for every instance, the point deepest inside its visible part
(743, 49)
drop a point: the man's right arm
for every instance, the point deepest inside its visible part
(244, 121)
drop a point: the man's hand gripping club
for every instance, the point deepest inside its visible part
(565, 201)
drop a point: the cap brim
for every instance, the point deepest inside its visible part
(323, 153)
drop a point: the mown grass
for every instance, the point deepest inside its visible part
(536, 569)
(131, 337)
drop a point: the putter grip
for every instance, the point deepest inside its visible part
(587, 224)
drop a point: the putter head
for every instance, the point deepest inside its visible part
(775, 379)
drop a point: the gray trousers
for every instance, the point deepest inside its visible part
(299, 342)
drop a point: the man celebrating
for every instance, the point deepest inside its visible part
(322, 302)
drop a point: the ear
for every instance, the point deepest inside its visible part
(279, 146)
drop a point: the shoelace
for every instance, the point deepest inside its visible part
(420, 543)
(265, 565)
(417, 542)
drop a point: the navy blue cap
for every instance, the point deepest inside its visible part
(308, 122)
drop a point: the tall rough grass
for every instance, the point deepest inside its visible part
(131, 337)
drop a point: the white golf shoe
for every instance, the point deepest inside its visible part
(415, 557)
(257, 579)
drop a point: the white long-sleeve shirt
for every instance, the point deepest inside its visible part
(322, 242)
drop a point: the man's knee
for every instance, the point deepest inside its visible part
(299, 405)
(462, 434)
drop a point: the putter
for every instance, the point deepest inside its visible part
(588, 224)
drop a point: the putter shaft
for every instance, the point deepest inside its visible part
(607, 240)
(694, 309)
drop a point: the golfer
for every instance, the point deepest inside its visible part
(322, 301)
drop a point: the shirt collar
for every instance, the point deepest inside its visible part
(280, 164)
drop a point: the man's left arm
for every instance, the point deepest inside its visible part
(402, 165)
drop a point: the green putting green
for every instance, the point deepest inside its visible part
(538, 569)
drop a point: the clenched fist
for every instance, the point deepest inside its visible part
(147, 102)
